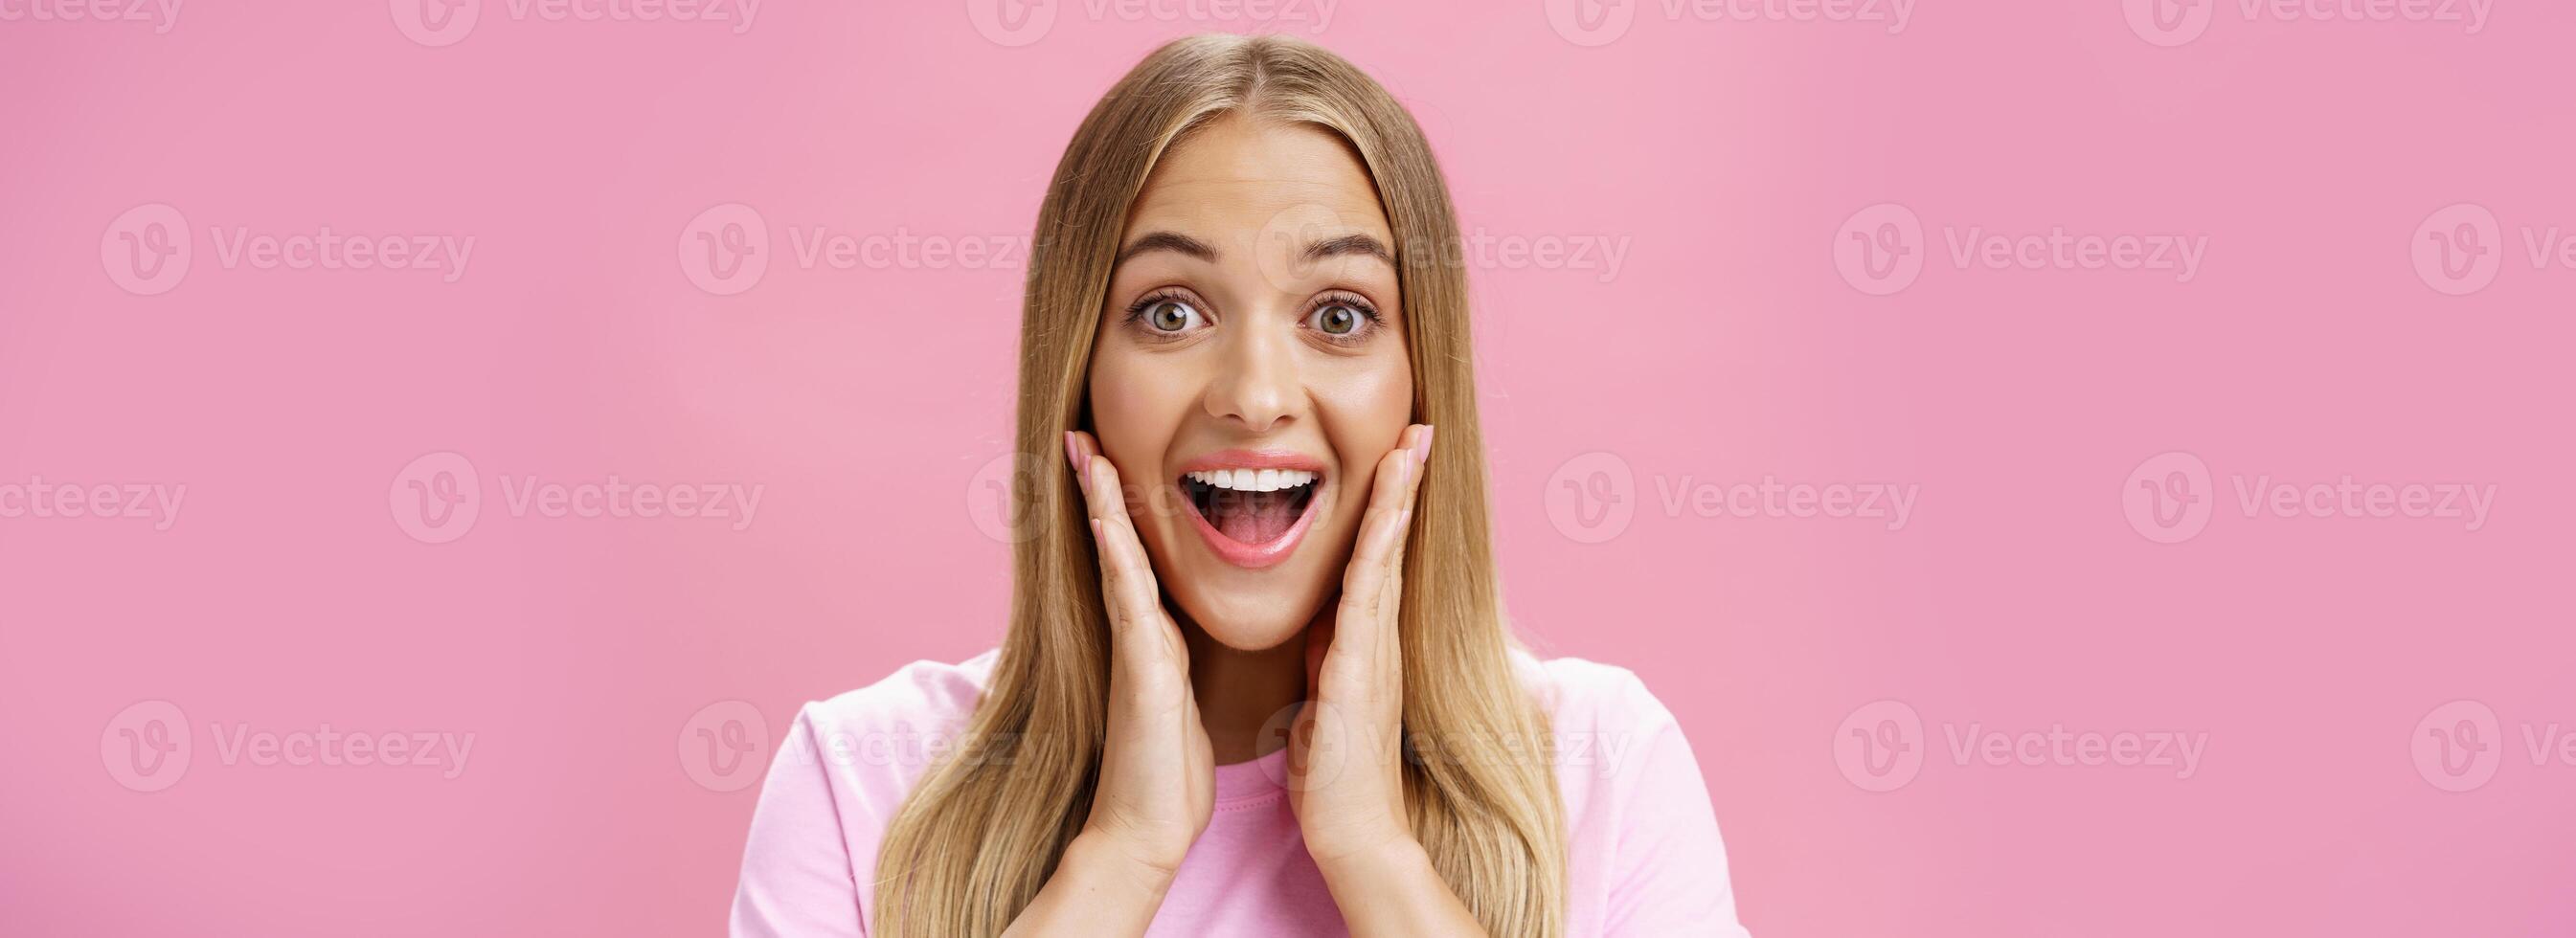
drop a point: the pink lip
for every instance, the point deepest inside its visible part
(1257, 556)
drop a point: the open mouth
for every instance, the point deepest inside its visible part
(1252, 517)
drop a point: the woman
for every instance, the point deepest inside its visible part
(1244, 338)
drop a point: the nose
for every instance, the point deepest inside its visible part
(1256, 385)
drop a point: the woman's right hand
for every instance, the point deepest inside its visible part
(1157, 772)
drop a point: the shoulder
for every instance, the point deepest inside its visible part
(1586, 694)
(1609, 731)
(898, 721)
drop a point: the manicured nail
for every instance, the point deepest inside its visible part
(1422, 445)
(1073, 458)
(1095, 530)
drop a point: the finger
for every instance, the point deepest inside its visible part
(1126, 578)
(1366, 595)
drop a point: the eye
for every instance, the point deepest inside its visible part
(1342, 319)
(1166, 315)
(1337, 319)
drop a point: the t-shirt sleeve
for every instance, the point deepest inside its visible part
(796, 874)
(1669, 874)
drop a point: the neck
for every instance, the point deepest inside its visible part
(1239, 692)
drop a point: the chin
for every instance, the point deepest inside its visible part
(1258, 618)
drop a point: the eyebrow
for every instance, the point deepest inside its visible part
(1167, 241)
(1184, 244)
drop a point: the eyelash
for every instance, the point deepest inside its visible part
(1371, 320)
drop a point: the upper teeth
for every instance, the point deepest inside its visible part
(1253, 480)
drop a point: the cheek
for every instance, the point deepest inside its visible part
(1135, 407)
(1367, 410)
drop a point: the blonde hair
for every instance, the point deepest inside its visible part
(979, 836)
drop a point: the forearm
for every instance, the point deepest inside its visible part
(1395, 892)
(1096, 890)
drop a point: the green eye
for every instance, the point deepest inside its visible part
(1337, 319)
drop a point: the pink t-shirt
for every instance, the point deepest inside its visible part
(1645, 860)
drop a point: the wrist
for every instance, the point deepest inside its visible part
(1102, 857)
(1396, 859)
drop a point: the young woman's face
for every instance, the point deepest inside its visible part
(1250, 370)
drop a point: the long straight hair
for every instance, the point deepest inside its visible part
(978, 837)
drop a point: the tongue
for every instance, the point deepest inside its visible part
(1252, 517)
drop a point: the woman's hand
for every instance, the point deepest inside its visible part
(1157, 772)
(1345, 760)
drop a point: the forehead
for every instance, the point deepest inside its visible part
(1228, 179)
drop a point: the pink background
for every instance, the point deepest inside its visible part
(2028, 589)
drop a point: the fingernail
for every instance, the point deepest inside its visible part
(1422, 445)
(1073, 458)
(1095, 529)
(1403, 518)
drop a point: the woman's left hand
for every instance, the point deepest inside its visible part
(1346, 749)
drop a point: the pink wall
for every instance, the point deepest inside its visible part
(2316, 324)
